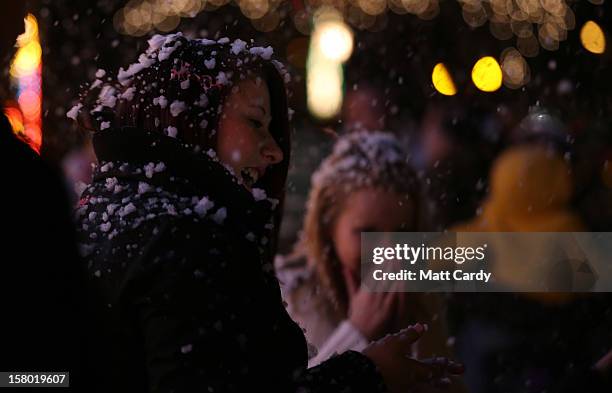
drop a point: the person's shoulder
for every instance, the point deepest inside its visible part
(23, 169)
(111, 230)
(160, 246)
(182, 230)
(114, 209)
(293, 271)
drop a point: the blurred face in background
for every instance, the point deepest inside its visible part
(244, 141)
(364, 109)
(368, 210)
(435, 144)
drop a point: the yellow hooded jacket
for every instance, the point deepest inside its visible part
(531, 188)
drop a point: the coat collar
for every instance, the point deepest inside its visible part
(186, 172)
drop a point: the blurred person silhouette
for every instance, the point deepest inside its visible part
(531, 182)
(363, 109)
(40, 274)
(457, 145)
(592, 159)
(530, 341)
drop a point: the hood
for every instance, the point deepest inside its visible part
(530, 179)
(531, 189)
(180, 180)
(177, 89)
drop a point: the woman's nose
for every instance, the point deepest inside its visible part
(271, 152)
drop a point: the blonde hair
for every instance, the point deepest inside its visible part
(359, 160)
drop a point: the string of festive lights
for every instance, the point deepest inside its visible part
(514, 72)
(534, 24)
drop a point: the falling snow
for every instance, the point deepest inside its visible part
(74, 111)
(177, 107)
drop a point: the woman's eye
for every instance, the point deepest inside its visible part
(256, 123)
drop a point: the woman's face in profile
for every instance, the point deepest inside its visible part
(244, 141)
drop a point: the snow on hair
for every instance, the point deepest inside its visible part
(367, 158)
(359, 160)
(176, 82)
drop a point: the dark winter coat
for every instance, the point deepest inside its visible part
(180, 269)
(40, 273)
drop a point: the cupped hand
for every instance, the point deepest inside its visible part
(391, 355)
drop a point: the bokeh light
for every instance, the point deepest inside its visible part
(416, 7)
(29, 102)
(139, 17)
(593, 38)
(442, 80)
(515, 69)
(15, 118)
(254, 9)
(332, 36)
(28, 57)
(544, 23)
(330, 46)
(487, 74)
(324, 86)
(25, 71)
(373, 7)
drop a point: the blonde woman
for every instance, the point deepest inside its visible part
(364, 185)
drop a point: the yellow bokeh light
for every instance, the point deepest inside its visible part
(593, 38)
(31, 31)
(332, 36)
(324, 86)
(487, 74)
(442, 80)
(28, 57)
(26, 60)
(331, 44)
(336, 41)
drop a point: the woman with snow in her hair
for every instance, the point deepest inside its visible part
(180, 225)
(365, 185)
